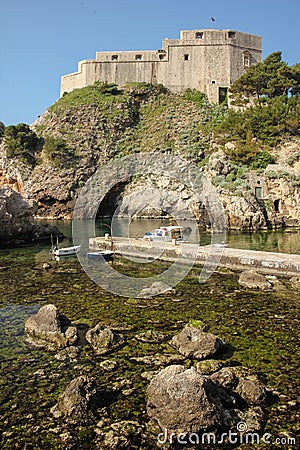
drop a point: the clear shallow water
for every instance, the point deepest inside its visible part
(261, 328)
(287, 241)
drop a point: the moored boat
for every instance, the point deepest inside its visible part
(107, 255)
(66, 251)
(166, 234)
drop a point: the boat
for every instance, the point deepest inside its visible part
(166, 234)
(66, 251)
(221, 244)
(106, 255)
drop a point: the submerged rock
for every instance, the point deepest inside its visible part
(192, 342)
(208, 366)
(68, 354)
(253, 280)
(121, 435)
(151, 336)
(49, 329)
(156, 288)
(79, 399)
(103, 339)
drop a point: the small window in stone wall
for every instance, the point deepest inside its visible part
(138, 57)
(246, 59)
(231, 34)
(186, 57)
(213, 82)
(199, 35)
(114, 57)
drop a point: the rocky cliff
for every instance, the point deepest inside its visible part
(17, 220)
(89, 127)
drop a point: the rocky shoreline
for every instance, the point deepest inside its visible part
(17, 221)
(193, 398)
(122, 346)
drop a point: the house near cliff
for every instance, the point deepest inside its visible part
(208, 60)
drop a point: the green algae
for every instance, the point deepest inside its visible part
(261, 330)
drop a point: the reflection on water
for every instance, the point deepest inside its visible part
(275, 241)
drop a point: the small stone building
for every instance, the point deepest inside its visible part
(208, 60)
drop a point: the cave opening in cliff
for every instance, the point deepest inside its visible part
(111, 200)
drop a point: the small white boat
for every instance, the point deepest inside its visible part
(66, 251)
(107, 255)
(166, 234)
(221, 244)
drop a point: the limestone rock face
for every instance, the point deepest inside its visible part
(17, 220)
(50, 329)
(103, 339)
(253, 280)
(194, 343)
(219, 163)
(16, 216)
(78, 399)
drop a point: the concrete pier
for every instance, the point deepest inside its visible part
(236, 259)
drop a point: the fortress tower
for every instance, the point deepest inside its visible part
(206, 60)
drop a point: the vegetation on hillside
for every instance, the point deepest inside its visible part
(90, 125)
(22, 143)
(270, 90)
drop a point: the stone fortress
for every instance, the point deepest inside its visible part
(208, 60)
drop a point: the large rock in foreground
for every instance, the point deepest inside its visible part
(182, 401)
(79, 399)
(49, 329)
(194, 343)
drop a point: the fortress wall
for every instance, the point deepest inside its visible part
(206, 68)
(207, 60)
(237, 66)
(121, 73)
(217, 72)
(74, 80)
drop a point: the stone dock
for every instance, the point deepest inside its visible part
(236, 259)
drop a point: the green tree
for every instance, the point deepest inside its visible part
(266, 80)
(21, 142)
(272, 89)
(58, 152)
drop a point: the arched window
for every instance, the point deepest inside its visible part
(246, 59)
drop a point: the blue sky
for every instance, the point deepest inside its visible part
(41, 40)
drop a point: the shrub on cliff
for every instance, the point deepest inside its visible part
(58, 152)
(21, 142)
(272, 88)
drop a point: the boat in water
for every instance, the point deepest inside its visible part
(65, 251)
(106, 255)
(166, 234)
